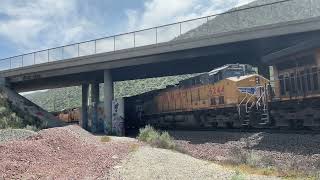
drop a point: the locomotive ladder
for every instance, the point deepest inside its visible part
(261, 98)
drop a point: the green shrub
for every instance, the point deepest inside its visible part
(238, 176)
(155, 138)
(148, 134)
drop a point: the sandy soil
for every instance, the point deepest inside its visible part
(161, 164)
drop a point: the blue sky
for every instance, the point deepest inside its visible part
(31, 25)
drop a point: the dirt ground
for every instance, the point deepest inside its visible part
(61, 153)
(72, 153)
(161, 164)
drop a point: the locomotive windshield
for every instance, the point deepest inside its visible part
(223, 72)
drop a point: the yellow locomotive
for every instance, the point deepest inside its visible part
(230, 96)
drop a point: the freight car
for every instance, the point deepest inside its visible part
(230, 96)
(296, 83)
(68, 115)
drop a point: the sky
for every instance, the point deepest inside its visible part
(33, 25)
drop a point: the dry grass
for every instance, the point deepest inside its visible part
(272, 171)
(246, 161)
(238, 176)
(105, 139)
(134, 147)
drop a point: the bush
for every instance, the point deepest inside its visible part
(31, 128)
(155, 138)
(239, 156)
(238, 176)
(147, 134)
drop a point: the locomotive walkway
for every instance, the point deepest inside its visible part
(243, 34)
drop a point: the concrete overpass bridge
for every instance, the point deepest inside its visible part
(242, 35)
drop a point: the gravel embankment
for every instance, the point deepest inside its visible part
(61, 153)
(15, 134)
(286, 151)
(153, 163)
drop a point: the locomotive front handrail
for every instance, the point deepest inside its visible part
(239, 106)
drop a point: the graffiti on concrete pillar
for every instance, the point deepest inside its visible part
(118, 117)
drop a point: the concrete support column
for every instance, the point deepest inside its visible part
(84, 109)
(108, 97)
(4, 82)
(95, 101)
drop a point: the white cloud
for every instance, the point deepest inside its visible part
(160, 12)
(40, 24)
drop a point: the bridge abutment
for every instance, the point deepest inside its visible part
(108, 97)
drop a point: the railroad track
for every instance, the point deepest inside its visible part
(246, 130)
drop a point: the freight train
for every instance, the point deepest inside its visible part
(236, 96)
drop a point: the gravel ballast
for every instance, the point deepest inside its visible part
(285, 151)
(161, 164)
(15, 134)
(61, 153)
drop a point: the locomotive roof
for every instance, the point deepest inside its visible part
(239, 78)
(216, 70)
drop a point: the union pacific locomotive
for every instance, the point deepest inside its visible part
(230, 96)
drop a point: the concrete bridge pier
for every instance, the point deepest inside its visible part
(95, 96)
(4, 82)
(84, 108)
(108, 97)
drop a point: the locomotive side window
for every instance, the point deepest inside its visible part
(315, 79)
(282, 86)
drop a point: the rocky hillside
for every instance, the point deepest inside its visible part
(12, 118)
(248, 17)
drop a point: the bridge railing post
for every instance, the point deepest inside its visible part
(156, 35)
(114, 43)
(134, 39)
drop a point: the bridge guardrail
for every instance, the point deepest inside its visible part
(234, 19)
